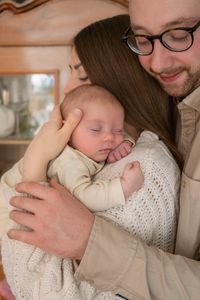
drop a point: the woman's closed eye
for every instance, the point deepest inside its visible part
(83, 78)
(79, 72)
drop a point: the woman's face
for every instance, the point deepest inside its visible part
(78, 75)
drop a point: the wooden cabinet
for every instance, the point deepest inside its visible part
(26, 61)
(36, 38)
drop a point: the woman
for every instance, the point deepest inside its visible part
(107, 62)
(100, 57)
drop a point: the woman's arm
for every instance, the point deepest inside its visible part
(31, 169)
(47, 144)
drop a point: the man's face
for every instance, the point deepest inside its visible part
(177, 72)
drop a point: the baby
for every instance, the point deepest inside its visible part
(99, 133)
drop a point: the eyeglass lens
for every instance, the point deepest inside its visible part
(177, 40)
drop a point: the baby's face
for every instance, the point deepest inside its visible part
(100, 130)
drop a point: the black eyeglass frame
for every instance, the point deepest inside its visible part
(151, 38)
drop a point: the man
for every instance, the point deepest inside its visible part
(173, 58)
(136, 271)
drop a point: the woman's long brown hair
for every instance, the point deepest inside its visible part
(109, 63)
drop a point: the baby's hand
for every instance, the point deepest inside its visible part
(121, 151)
(132, 178)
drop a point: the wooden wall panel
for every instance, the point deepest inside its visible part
(33, 59)
(55, 22)
(41, 39)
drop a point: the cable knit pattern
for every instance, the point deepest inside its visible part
(149, 213)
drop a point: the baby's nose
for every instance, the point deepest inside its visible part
(109, 136)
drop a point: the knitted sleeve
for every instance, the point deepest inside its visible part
(151, 213)
(7, 190)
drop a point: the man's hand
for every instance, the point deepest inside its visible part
(119, 152)
(59, 223)
(48, 143)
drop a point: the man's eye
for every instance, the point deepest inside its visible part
(142, 41)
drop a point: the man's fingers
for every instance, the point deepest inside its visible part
(71, 122)
(22, 218)
(27, 203)
(37, 190)
(23, 236)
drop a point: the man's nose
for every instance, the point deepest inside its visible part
(161, 58)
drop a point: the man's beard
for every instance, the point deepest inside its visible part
(191, 82)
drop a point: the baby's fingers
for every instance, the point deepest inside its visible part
(133, 165)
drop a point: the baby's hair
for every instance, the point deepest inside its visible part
(87, 93)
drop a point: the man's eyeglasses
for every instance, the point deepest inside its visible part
(176, 39)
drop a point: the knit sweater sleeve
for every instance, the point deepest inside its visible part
(7, 190)
(151, 213)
